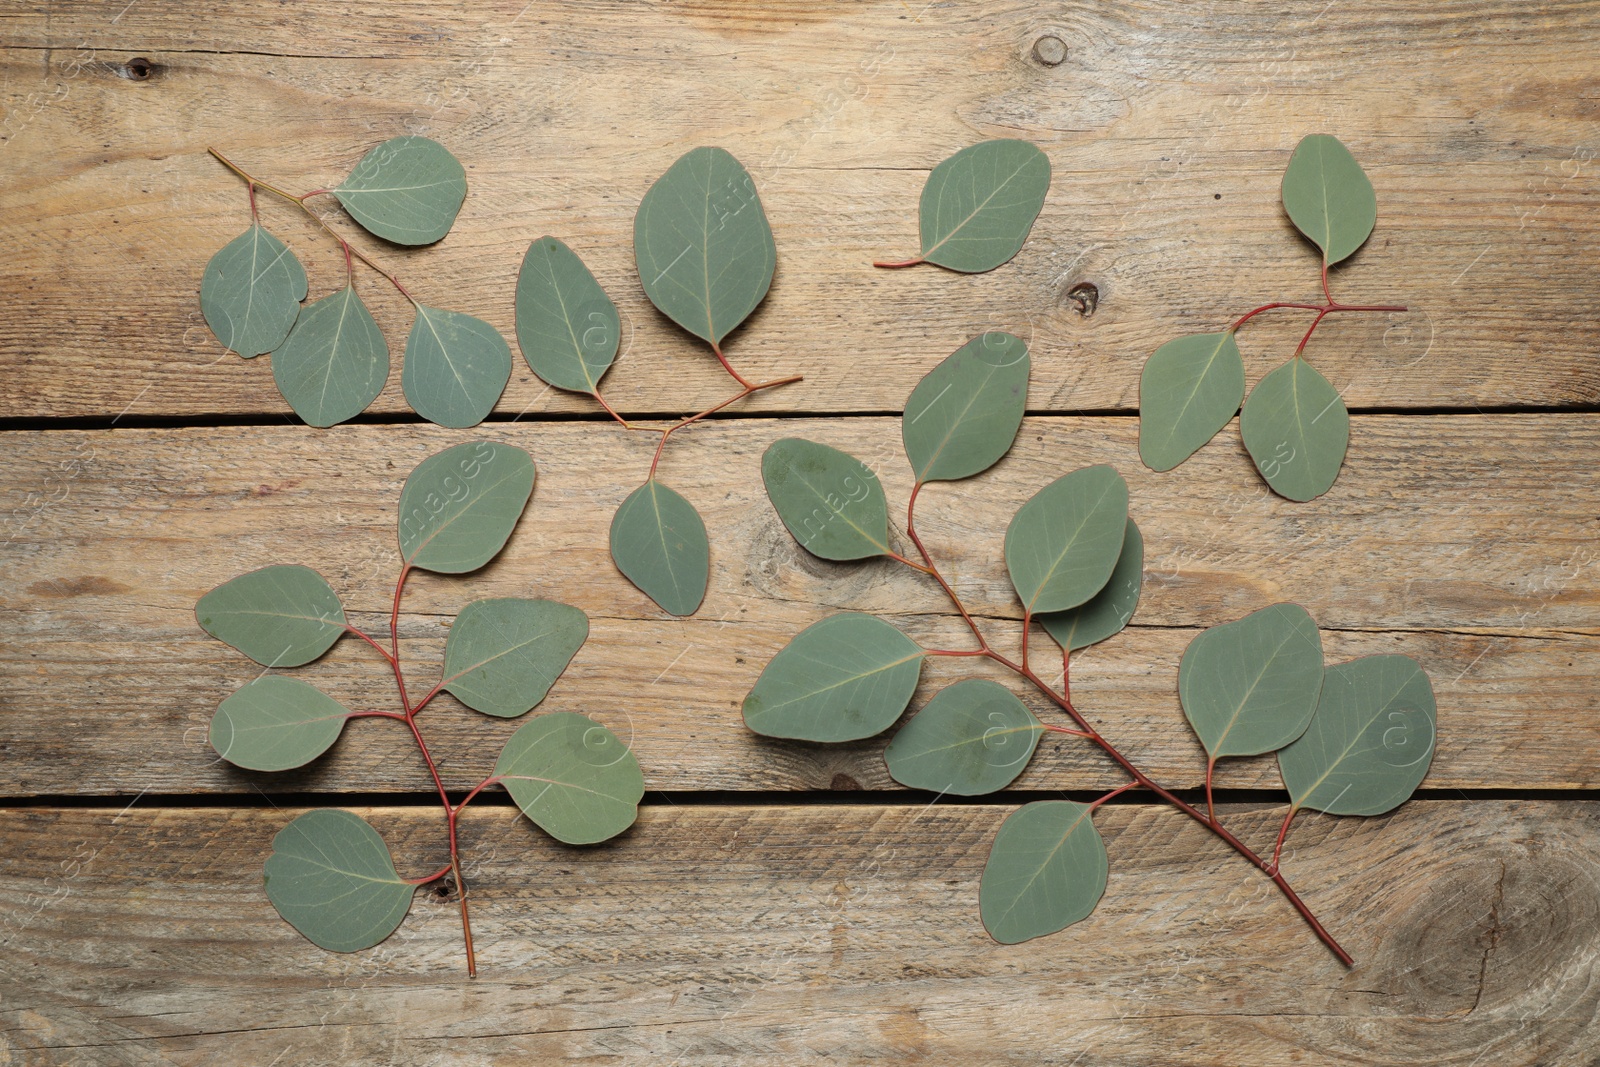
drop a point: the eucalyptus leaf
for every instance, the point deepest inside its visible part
(331, 877)
(456, 367)
(965, 413)
(572, 777)
(567, 326)
(406, 190)
(1108, 611)
(1250, 686)
(978, 205)
(1063, 544)
(659, 543)
(276, 723)
(282, 616)
(1188, 391)
(972, 738)
(250, 292)
(1328, 196)
(334, 362)
(1046, 871)
(844, 678)
(830, 501)
(459, 506)
(503, 655)
(1296, 428)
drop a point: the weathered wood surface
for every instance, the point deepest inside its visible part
(1469, 544)
(1168, 124)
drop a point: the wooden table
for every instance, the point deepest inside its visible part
(784, 903)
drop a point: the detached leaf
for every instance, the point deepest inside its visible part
(567, 326)
(964, 414)
(1188, 391)
(276, 723)
(1328, 196)
(844, 678)
(1251, 685)
(572, 777)
(1108, 611)
(1046, 871)
(335, 361)
(972, 738)
(659, 543)
(456, 367)
(1063, 544)
(503, 655)
(407, 190)
(1296, 428)
(979, 204)
(282, 616)
(830, 501)
(251, 291)
(331, 877)
(459, 506)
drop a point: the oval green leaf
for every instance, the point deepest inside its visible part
(572, 777)
(978, 205)
(1108, 611)
(331, 877)
(659, 543)
(250, 292)
(282, 616)
(406, 190)
(1063, 544)
(702, 244)
(831, 502)
(456, 367)
(1250, 686)
(276, 723)
(459, 506)
(1046, 871)
(964, 414)
(335, 361)
(503, 655)
(1328, 196)
(567, 326)
(1188, 391)
(1370, 742)
(972, 738)
(1296, 428)
(844, 678)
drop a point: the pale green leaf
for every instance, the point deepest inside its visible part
(281, 616)
(572, 777)
(831, 502)
(1046, 870)
(503, 655)
(331, 877)
(250, 292)
(964, 414)
(1328, 196)
(406, 190)
(844, 678)
(978, 205)
(456, 367)
(459, 506)
(567, 326)
(1188, 391)
(1063, 544)
(276, 723)
(334, 362)
(972, 738)
(1250, 686)
(1108, 611)
(1296, 428)
(659, 543)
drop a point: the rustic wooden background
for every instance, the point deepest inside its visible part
(783, 903)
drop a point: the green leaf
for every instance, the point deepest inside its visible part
(844, 678)
(1251, 685)
(572, 777)
(406, 190)
(1046, 871)
(979, 204)
(659, 543)
(964, 414)
(1296, 428)
(331, 877)
(567, 326)
(1189, 390)
(1063, 544)
(1108, 611)
(335, 361)
(1328, 196)
(456, 367)
(276, 723)
(830, 501)
(1370, 742)
(702, 244)
(459, 506)
(250, 292)
(973, 737)
(503, 655)
(280, 616)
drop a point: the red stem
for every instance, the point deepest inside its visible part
(1114, 792)
(741, 379)
(1283, 832)
(931, 570)
(1322, 310)
(898, 264)
(1211, 809)
(609, 409)
(749, 387)
(381, 650)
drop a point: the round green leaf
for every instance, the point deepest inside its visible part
(978, 205)
(964, 414)
(572, 777)
(844, 678)
(973, 737)
(503, 655)
(406, 190)
(1063, 544)
(1296, 427)
(1189, 390)
(1046, 871)
(1328, 196)
(1108, 611)
(659, 543)
(831, 502)
(335, 361)
(251, 291)
(567, 326)
(1370, 742)
(280, 616)
(459, 506)
(331, 877)
(1251, 685)
(456, 367)
(276, 723)
(702, 244)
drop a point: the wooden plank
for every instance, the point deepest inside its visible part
(839, 934)
(1168, 124)
(1468, 544)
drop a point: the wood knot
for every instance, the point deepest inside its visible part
(1086, 296)
(140, 69)
(1050, 50)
